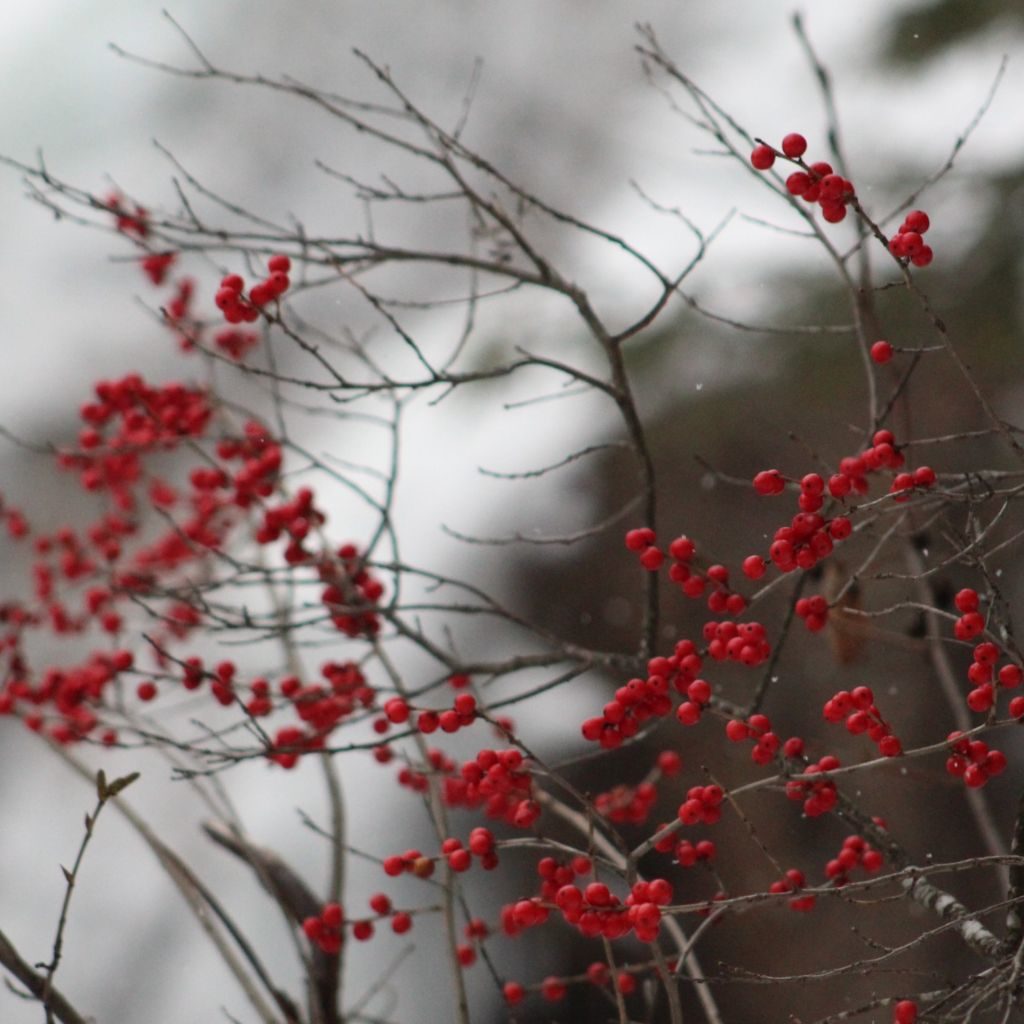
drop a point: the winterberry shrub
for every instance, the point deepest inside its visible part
(739, 802)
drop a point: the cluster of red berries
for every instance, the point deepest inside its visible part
(352, 592)
(819, 795)
(855, 852)
(320, 708)
(463, 712)
(240, 308)
(813, 609)
(236, 307)
(908, 243)
(325, 931)
(881, 454)
(699, 697)
(554, 875)
(861, 715)
(632, 804)
(14, 519)
(499, 781)
(691, 581)
(758, 728)
(793, 881)
(523, 914)
(642, 699)
(554, 989)
(745, 642)
(686, 854)
(596, 910)
(982, 673)
(131, 219)
(296, 518)
(642, 541)
(476, 930)
(904, 483)
(411, 862)
(412, 777)
(818, 183)
(808, 538)
(703, 805)
(972, 760)
(177, 314)
(970, 622)
(814, 183)
(324, 707)
(236, 342)
(627, 804)
(261, 456)
(128, 418)
(156, 265)
(401, 920)
(70, 691)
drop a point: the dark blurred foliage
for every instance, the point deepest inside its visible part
(935, 26)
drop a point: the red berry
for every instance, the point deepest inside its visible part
(1010, 676)
(798, 183)
(890, 746)
(881, 352)
(753, 567)
(553, 989)
(688, 713)
(917, 220)
(736, 730)
(682, 549)
(514, 993)
(923, 256)
(396, 710)
(146, 691)
(794, 145)
(393, 865)
(637, 540)
(833, 212)
(769, 481)
(911, 242)
(762, 157)
(651, 558)
(904, 1012)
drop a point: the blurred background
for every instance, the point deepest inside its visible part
(563, 108)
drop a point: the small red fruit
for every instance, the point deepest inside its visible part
(881, 352)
